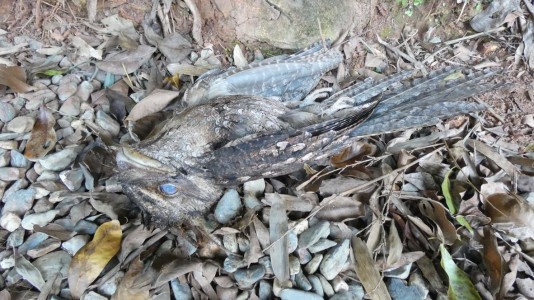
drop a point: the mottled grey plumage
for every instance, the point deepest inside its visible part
(286, 78)
(233, 139)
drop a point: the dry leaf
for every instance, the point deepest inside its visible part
(128, 289)
(43, 136)
(15, 78)
(155, 102)
(460, 286)
(126, 61)
(84, 49)
(29, 272)
(493, 261)
(367, 271)
(90, 260)
(277, 229)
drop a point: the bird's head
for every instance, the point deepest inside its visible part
(167, 197)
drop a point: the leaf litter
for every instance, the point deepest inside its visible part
(404, 200)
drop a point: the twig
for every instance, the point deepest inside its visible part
(196, 31)
(490, 109)
(462, 11)
(37, 14)
(403, 55)
(473, 36)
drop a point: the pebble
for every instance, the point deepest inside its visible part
(302, 282)
(84, 90)
(60, 160)
(344, 295)
(16, 238)
(265, 290)
(72, 179)
(227, 293)
(7, 112)
(18, 160)
(339, 285)
(399, 290)
(266, 262)
(5, 157)
(53, 263)
(254, 187)
(294, 294)
(66, 89)
(107, 123)
(92, 295)
(313, 265)
(41, 205)
(76, 243)
(85, 227)
(7, 262)
(40, 219)
(10, 174)
(37, 98)
(244, 244)
(44, 248)
(6, 136)
(56, 79)
(233, 262)
(19, 202)
(10, 221)
(247, 277)
(109, 287)
(294, 265)
(228, 207)
(252, 202)
(16, 186)
(71, 106)
(9, 145)
(21, 124)
(32, 241)
(230, 243)
(304, 256)
(181, 290)
(311, 235)
(321, 245)
(292, 242)
(327, 287)
(334, 260)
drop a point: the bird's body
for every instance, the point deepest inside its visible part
(182, 170)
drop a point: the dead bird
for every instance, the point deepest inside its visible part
(178, 173)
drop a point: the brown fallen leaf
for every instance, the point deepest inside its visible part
(91, 259)
(367, 271)
(493, 261)
(43, 136)
(510, 213)
(128, 289)
(15, 78)
(126, 61)
(155, 102)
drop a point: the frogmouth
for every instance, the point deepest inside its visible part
(224, 139)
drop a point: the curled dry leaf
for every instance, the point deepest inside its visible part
(15, 78)
(128, 287)
(493, 261)
(155, 102)
(367, 272)
(511, 213)
(90, 260)
(43, 136)
(126, 61)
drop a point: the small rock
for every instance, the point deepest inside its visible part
(7, 112)
(16, 238)
(109, 287)
(7, 262)
(334, 260)
(327, 287)
(10, 222)
(344, 295)
(294, 294)
(19, 202)
(233, 262)
(72, 179)
(252, 202)
(18, 160)
(37, 98)
(292, 242)
(228, 207)
(60, 160)
(313, 234)
(181, 290)
(304, 256)
(53, 263)
(254, 187)
(76, 243)
(321, 245)
(11, 174)
(230, 243)
(294, 265)
(40, 219)
(339, 285)
(41, 205)
(9, 145)
(66, 89)
(16, 186)
(44, 248)
(84, 90)
(265, 290)
(71, 106)
(5, 157)
(317, 287)
(32, 242)
(266, 262)
(21, 124)
(56, 79)
(247, 277)
(313, 265)
(107, 123)
(85, 227)
(302, 282)
(94, 296)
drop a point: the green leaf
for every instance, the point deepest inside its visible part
(53, 72)
(446, 190)
(464, 223)
(460, 286)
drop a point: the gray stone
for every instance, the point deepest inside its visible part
(72, 178)
(84, 90)
(313, 265)
(228, 207)
(44, 248)
(16, 238)
(10, 221)
(344, 295)
(294, 265)
(71, 106)
(18, 160)
(294, 294)
(32, 242)
(92, 295)
(302, 282)
(292, 242)
(8, 145)
(265, 291)
(247, 277)
(233, 262)
(230, 243)
(317, 287)
(254, 187)
(10, 174)
(304, 256)
(321, 245)
(56, 79)
(37, 98)
(76, 243)
(266, 262)
(60, 160)
(5, 157)
(398, 290)
(41, 219)
(85, 227)
(311, 235)
(16, 186)
(181, 290)
(21, 124)
(107, 123)
(339, 285)
(327, 287)
(66, 89)
(334, 260)
(53, 263)
(7, 112)
(19, 202)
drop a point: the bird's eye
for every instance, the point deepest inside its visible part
(168, 189)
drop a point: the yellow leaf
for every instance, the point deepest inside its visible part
(460, 286)
(89, 261)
